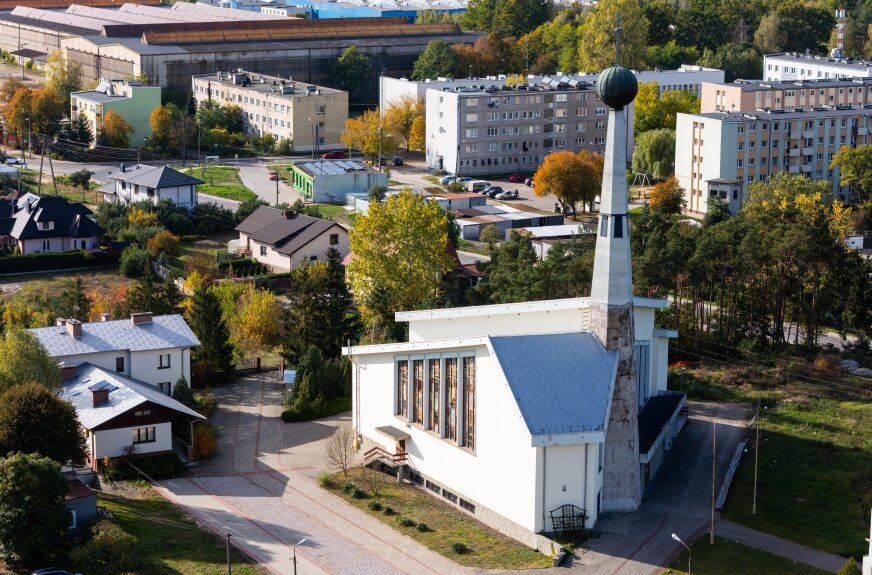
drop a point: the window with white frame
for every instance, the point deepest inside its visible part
(144, 435)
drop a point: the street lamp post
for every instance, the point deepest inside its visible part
(689, 553)
(300, 542)
(29, 151)
(228, 554)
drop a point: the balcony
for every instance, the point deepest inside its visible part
(793, 135)
(806, 168)
(793, 152)
(808, 134)
(793, 169)
(862, 131)
(808, 151)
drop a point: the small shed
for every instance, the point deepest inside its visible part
(81, 502)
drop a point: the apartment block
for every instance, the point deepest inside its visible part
(721, 154)
(127, 98)
(752, 95)
(686, 77)
(789, 66)
(288, 110)
(511, 129)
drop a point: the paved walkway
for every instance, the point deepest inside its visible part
(256, 178)
(778, 546)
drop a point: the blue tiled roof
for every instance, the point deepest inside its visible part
(164, 331)
(562, 382)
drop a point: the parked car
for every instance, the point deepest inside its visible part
(529, 182)
(464, 180)
(12, 161)
(52, 571)
(508, 195)
(334, 155)
(477, 186)
(273, 176)
(445, 180)
(493, 191)
(516, 178)
(398, 161)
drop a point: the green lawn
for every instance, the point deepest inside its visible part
(487, 549)
(729, 558)
(330, 211)
(815, 475)
(222, 181)
(171, 540)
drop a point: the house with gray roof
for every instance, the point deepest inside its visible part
(284, 240)
(154, 350)
(120, 414)
(152, 183)
(34, 224)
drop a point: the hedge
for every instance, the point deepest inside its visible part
(53, 261)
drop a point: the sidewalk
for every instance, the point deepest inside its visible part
(778, 546)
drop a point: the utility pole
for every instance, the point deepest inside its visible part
(756, 459)
(277, 191)
(51, 168)
(41, 162)
(714, 465)
(379, 145)
(228, 554)
(29, 150)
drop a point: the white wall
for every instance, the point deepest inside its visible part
(144, 366)
(113, 442)
(505, 477)
(277, 262)
(317, 247)
(571, 476)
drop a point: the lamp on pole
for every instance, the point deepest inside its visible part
(300, 542)
(29, 151)
(689, 553)
(228, 554)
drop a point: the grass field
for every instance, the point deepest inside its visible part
(729, 558)
(487, 549)
(170, 540)
(222, 181)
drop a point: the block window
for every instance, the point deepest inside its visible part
(119, 364)
(403, 389)
(619, 226)
(334, 239)
(434, 394)
(164, 361)
(263, 250)
(143, 435)
(418, 390)
(166, 387)
(451, 400)
(604, 226)
(469, 402)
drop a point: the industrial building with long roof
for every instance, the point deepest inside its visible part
(168, 45)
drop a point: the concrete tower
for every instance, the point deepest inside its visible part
(611, 318)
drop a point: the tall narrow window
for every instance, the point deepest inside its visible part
(604, 226)
(451, 399)
(469, 402)
(418, 390)
(435, 374)
(403, 388)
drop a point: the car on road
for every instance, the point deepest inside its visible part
(529, 182)
(273, 176)
(516, 178)
(464, 179)
(13, 161)
(52, 571)
(334, 155)
(493, 191)
(508, 195)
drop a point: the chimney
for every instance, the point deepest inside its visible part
(60, 321)
(140, 318)
(123, 168)
(98, 396)
(289, 214)
(68, 372)
(105, 317)
(74, 327)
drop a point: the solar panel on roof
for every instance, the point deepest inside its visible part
(102, 386)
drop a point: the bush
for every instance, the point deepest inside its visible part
(205, 440)
(317, 409)
(358, 493)
(374, 506)
(459, 548)
(52, 261)
(205, 403)
(110, 547)
(325, 480)
(826, 365)
(348, 488)
(163, 466)
(849, 568)
(423, 528)
(406, 522)
(389, 510)
(133, 262)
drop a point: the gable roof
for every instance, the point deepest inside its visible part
(164, 331)
(70, 219)
(286, 232)
(125, 394)
(562, 383)
(155, 177)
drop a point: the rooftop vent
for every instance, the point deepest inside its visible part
(140, 318)
(105, 317)
(60, 321)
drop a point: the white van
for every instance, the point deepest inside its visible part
(477, 186)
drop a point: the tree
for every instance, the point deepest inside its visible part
(183, 394)
(490, 235)
(572, 178)
(489, 55)
(62, 77)
(81, 179)
(855, 168)
(667, 197)
(736, 60)
(438, 59)
(46, 110)
(134, 262)
(771, 37)
(399, 118)
(700, 24)
(502, 16)
(116, 131)
(32, 491)
(339, 449)
(35, 420)
(654, 153)
(352, 72)
(365, 132)
(165, 243)
(259, 321)
(808, 25)
(596, 48)
(400, 254)
(654, 111)
(17, 110)
(670, 55)
(24, 360)
(849, 568)
(81, 130)
(161, 127)
(146, 294)
(377, 194)
(718, 211)
(7, 90)
(74, 302)
(418, 134)
(214, 355)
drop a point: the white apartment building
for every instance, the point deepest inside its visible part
(722, 153)
(686, 77)
(751, 95)
(786, 67)
(511, 129)
(286, 109)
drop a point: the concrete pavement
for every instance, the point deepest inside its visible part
(256, 178)
(778, 546)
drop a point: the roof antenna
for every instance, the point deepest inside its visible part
(618, 31)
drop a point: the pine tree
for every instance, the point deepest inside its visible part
(146, 294)
(182, 392)
(215, 352)
(74, 303)
(81, 129)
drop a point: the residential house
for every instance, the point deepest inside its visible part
(153, 350)
(120, 414)
(81, 502)
(752, 95)
(35, 224)
(127, 98)
(284, 239)
(152, 183)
